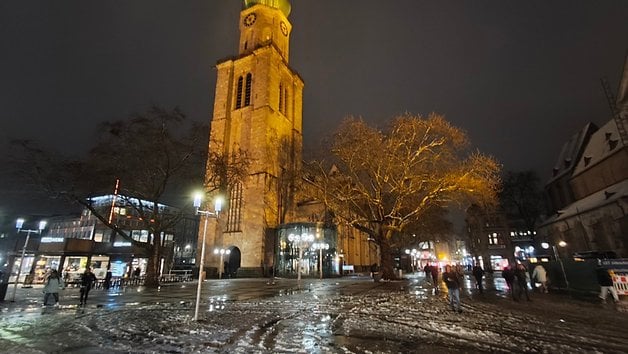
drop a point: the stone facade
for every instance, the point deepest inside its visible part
(258, 109)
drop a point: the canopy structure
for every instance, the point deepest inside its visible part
(283, 5)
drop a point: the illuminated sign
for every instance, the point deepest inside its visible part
(121, 244)
(52, 239)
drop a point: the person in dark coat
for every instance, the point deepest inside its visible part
(108, 277)
(452, 281)
(87, 283)
(521, 282)
(434, 270)
(605, 281)
(478, 273)
(375, 272)
(509, 277)
(428, 272)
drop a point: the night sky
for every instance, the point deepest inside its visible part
(519, 76)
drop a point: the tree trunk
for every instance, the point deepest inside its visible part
(388, 264)
(152, 268)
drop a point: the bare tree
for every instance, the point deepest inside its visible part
(381, 182)
(521, 196)
(157, 156)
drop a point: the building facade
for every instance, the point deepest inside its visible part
(257, 109)
(595, 222)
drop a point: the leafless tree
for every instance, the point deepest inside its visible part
(157, 157)
(383, 181)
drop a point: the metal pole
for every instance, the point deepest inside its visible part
(200, 270)
(221, 266)
(562, 267)
(321, 261)
(299, 264)
(19, 269)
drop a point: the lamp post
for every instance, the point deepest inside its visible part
(302, 241)
(207, 215)
(18, 225)
(560, 261)
(221, 252)
(320, 246)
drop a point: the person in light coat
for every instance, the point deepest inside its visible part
(540, 276)
(53, 284)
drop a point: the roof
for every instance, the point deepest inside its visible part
(596, 200)
(569, 154)
(602, 144)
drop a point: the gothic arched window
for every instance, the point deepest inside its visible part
(247, 93)
(239, 94)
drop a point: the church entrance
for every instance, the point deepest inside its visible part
(232, 264)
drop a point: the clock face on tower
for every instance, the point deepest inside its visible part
(249, 20)
(284, 28)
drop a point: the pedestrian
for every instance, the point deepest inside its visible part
(478, 273)
(509, 277)
(434, 270)
(521, 282)
(87, 283)
(450, 277)
(375, 272)
(53, 284)
(137, 272)
(428, 272)
(605, 280)
(108, 277)
(540, 276)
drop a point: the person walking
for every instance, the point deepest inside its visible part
(53, 284)
(108, 277)
(540, 276)
(450, 277)
(521, 282)
(375, 272)
(605, 280)
(434, 271)
(478, 273)
(428, 272)
(87, 283)
(509, 277)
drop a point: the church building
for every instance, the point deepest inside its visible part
(258, 109)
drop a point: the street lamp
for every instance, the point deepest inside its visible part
(18, 225)
(560, 261)
(207, 214)
(302, 241)
(221, 252)
(321, 246)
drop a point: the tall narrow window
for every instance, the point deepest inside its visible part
(280, 97)
(235, 208)
(247, 93)
(239, 93)
(285, 102)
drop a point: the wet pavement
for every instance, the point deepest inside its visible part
(345, 315)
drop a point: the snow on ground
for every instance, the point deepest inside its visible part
(380, 319)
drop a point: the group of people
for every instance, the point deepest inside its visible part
(53, 283)
(517, 279)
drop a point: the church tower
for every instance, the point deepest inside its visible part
(257, 109)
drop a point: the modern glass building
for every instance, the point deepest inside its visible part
(311, 244)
